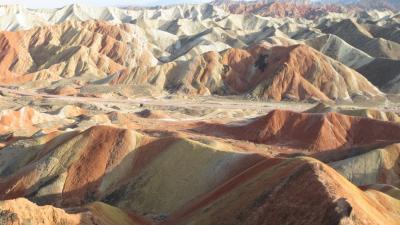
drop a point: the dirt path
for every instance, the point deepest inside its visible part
(201, 102)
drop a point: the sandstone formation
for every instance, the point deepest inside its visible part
(311, 132)
(225, 113)
(131, 171)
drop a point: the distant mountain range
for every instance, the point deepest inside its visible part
(364, 4)
(368, 4)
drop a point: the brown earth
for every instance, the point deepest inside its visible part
(311, 132)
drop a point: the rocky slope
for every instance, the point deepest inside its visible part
(114, 54)
(277, 201)
(359, 37)
(308, 131)
(22, 211)
(120, 164)
(132, 171)
(71, 49)
(176, 37)
(224, 113)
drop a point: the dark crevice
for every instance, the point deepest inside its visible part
(261, 63)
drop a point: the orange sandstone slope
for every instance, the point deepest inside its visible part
(293, 191)
(71, 49)
(71, 165)
(296, 72)
(311, 132)
(178, 181)
(119, 54)
(118, 166)
(22, 211)
(26, 120)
